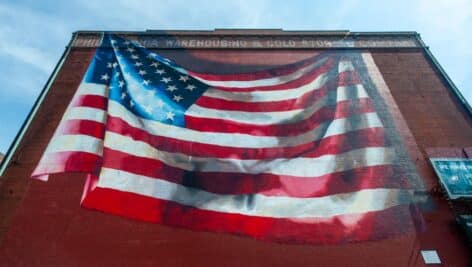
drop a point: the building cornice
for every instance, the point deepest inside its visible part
(256, 39)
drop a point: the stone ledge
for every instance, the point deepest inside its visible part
(256, 39)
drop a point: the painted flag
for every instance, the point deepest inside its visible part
(295, 153)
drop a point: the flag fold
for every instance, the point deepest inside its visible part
(295, 153)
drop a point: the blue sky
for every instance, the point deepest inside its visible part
(33, 33)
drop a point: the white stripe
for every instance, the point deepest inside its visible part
(272, 95)
(368, 200)
(85, 113)
(255, 118)
(266, 81)
(345, 65)
(75, 142)
(279, 117)
(334, 127)
(301, 167)
(86, 88)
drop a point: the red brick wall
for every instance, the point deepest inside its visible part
(15, 181)
(41, 224)
(441, 127)
(430, 109)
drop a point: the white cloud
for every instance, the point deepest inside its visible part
(445, 15)
(27, 54)
(344, 10)
(25, 41)
(179, 14)
(445, 27)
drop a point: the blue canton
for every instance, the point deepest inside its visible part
(147, 84)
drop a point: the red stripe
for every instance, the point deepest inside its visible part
(256, 75)
(327, 68)
(366, 226)
(284, 185)
(264, 183)
(340, 110)
(283, 105)
(85, 127)
(92, 101)
(71, 161)
(332, 145)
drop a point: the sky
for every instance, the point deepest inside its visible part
(33, 34)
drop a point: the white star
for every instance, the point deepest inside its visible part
(113, 41)
(152, 55)
(137, 64)
(115, 64)
(160, 104)
(142, 72)
(159, 71)
(131, 50)
(183, 78)
(166, 79)
(177, 98)
(146, 82)
(190, 87)
(109, 65)
(154, 64)
(123, 95)
(117, 74)
(170, 115)
(171, 88)
(134, 57)
(105, 77)
(121, 84)
(148, 109)
(126, 43)
(131, 103)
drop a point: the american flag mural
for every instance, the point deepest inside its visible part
(295, 153)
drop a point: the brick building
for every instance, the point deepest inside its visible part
(42, 224)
